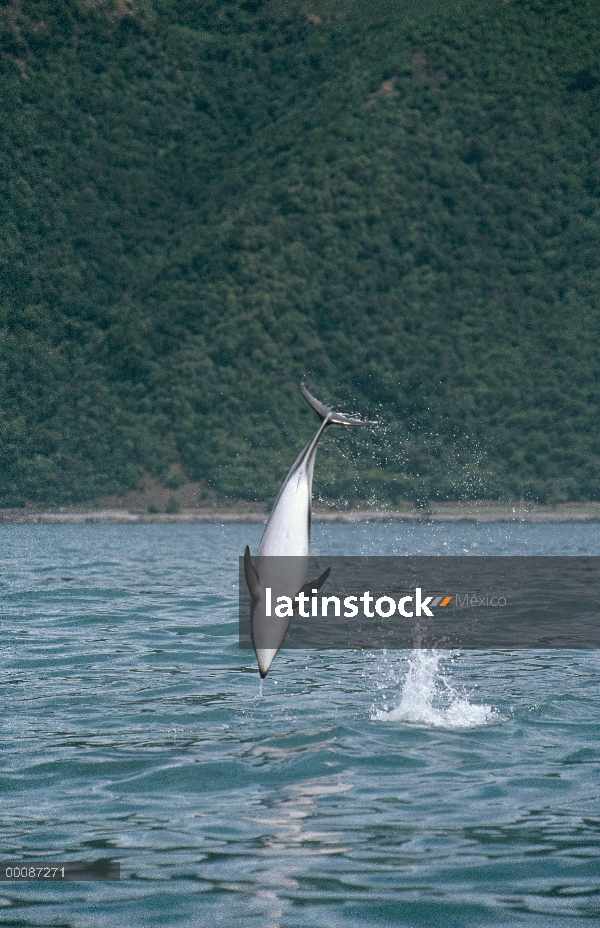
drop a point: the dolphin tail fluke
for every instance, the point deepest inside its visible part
(328, 416)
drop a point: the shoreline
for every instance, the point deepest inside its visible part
(476, 512)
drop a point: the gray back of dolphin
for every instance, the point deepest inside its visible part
(287, 535)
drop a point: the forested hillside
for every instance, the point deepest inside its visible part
(204, 203)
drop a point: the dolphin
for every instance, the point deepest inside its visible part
(282, 561)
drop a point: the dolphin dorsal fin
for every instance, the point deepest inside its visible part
(252, 578)
(328, 416)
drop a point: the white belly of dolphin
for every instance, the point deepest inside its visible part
(288, 531)
(286, 540)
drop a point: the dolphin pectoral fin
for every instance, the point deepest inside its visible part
(311, 585)
(330, 417)
(318, 583)
(252, 578)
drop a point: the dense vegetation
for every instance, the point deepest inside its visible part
(205, 203)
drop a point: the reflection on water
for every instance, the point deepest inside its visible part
(290, 837)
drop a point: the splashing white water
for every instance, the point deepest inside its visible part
(428, 698)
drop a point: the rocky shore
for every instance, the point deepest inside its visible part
(448, 512)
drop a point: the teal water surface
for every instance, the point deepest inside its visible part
(359, 788)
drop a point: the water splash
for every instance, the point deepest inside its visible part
(428, 698)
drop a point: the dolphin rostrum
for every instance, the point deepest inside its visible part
(282, 561)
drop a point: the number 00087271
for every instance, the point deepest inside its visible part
(34, 873)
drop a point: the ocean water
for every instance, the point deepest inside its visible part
(358, 789)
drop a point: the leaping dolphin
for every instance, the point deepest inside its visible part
(287, 535)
